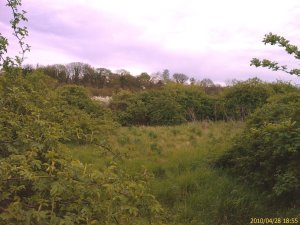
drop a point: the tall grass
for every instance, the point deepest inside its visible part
(185, 181)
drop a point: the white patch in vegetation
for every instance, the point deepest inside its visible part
(104, 100)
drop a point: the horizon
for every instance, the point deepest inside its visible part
(214, 40)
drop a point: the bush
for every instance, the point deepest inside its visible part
(177, 103)
(267, 154)
(169, 106)
(81, 119)
(196, 104)
(164, 110)
(148, 108)
(244, 97)
(283, 87)
(279, 108)
(40, 183)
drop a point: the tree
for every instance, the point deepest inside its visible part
(75, 71)
(144, 80)
(20, 32)
(122, 72)
(274, 39)
(165, 75)
(57, 71)
(155, 77)
(180, 78)
(206, 82)
(88, 75)
(192, 80)
(101, 77)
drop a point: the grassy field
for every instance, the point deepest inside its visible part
(184, 180)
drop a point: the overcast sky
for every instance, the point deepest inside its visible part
(213, 39)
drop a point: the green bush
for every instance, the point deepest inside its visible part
(148, 108)
(196, 104)
(283, 87)
(244, 97)
(40, 183)
(267, 154)
(177, 103)
(164, 110)
(279, 107)
(168, 106)
(81, 119)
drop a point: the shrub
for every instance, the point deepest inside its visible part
(40, 183)
(81, 119)
(267, 154)
(164, 110)
(196, 104)
(148, 108)
(244, 97)
(283, 87)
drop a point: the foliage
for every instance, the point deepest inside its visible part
(20, 32)
(100, 80)
(180, 78)
(148, 107)
(283, 87)
(274, 39)
(56, 190)
(165, 111)
(266, 154)
(196, 104)
(279, 108)
(40, 183)
(81, 119)
(244, 97)
(185, 182)
(176, 103)
(171, 105)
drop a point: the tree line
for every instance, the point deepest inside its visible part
(103, 81)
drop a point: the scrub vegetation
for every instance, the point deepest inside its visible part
(162, 150)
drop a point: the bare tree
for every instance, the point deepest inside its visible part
(180, 78)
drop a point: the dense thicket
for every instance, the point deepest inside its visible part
(176, 103)
(40, 183)
(267, 154)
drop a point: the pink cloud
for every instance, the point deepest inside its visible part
(208, 40)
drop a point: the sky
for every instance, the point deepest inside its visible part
(213, 39)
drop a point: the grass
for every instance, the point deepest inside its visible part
(185, 181)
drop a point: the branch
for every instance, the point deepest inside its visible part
(22, 178)
(20, 32)
(273, 66)
(108, 149)
(274, 39)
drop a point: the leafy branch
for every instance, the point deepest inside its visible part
(20, 32)
(274, 39)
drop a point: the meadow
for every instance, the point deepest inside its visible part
(185, 181)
